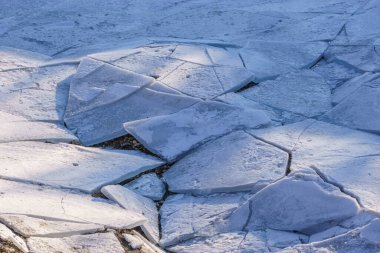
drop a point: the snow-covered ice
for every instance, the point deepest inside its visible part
(265, 114)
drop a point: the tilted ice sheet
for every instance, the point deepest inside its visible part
(134, 202)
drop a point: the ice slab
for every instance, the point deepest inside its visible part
(55, 204)
(71, 166)
(303, 92)
(172, 135)
(345, 157)
(92, 243)
(36, 94)
(267, 59)
(28, 226)
(184, 216)
(15, 128)
(366, 240)
(301, 202)
(235, 162)
(358, 105)
(134, 202)
(106, 122)
(148, 185)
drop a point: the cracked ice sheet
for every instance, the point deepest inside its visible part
(365, 239)
(289, 92)
(92, 243)
(240, 242)
(148, 185)
(30, 226)
(86, 169)
(278, 117)
(358, 104)
(173, 135)
(363, 27)
(234, 242)
(14, 128)
(106, 122)
(206, 81)
(361, 57)
(253, 163)
(97, 84)
(134, 202)
(335, 73)
(196, 70)
(37, 94)
(12, 58)
(184, 217)
(64, 205)
(300, 202)
(345, 157)
(268, 59)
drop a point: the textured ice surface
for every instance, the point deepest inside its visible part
(148, 185)
(253, 164)
(345, 157)
(86, 169)
(302, 202)
(172, 135)
(50, 203)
